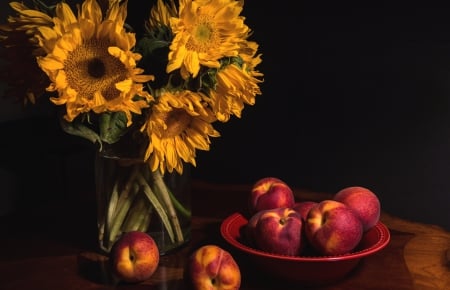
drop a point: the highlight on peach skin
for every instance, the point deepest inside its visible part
(333, 228)
(134, 257)
(268, 193)
(212, 268)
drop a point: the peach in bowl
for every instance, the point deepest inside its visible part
(308, 270)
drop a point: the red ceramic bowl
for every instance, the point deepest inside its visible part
(304, 269)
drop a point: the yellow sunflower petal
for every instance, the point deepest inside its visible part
(172, 131)
(205, 32)
(94, 54)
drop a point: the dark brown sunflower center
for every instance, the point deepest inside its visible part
(96, 68)
(177, 121)
(91, 69)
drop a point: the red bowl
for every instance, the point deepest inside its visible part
(310, 270)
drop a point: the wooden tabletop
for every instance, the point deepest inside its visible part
(51, 247)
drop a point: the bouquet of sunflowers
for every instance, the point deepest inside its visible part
(157, 95)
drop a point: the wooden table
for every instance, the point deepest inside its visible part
(44, 248)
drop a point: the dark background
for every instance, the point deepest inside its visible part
(355, 93)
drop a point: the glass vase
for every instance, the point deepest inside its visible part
(130, 197)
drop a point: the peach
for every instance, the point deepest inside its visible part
(210, 267)
(364, 202)
(249, 229)
(303, 207)
(333, 228)
(279, 231)
(134, 257)
(268, 193)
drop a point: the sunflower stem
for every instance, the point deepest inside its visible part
(143, 227)
(157, 205)
(137, 214)
(182, 209)
(112, 205)
(117, 211)
(120, 215)
(163, 192)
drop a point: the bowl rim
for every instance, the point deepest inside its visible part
(238, 218)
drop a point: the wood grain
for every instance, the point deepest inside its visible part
(425, 254)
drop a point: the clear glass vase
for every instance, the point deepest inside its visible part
(130, 197)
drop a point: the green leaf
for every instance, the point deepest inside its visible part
(147, 45)
(79, 129)
(112, 126)
(158, 38)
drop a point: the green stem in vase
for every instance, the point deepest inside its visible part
(139, 214)
(121, 212)
(143, 227)
(163, 192)
(157, 205)
(183, 210)
(118, 207)
(104, 220)
(124, 196)
(112, 205)
(131, 201)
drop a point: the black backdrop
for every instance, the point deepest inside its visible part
(355, 93)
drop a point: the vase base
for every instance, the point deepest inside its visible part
(95, 267)
(165, 245)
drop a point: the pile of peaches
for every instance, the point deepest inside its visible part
(280, 225)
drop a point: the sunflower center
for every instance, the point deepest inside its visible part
(177, 121)
(96, 68)
(204, 36)
(91, 69)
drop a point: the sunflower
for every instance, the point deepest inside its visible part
(90, 63)
(161, 13)
(205, 32)
(235, 86)
(27, 20)
(26, 82)
(248, 54)
(178, 125)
